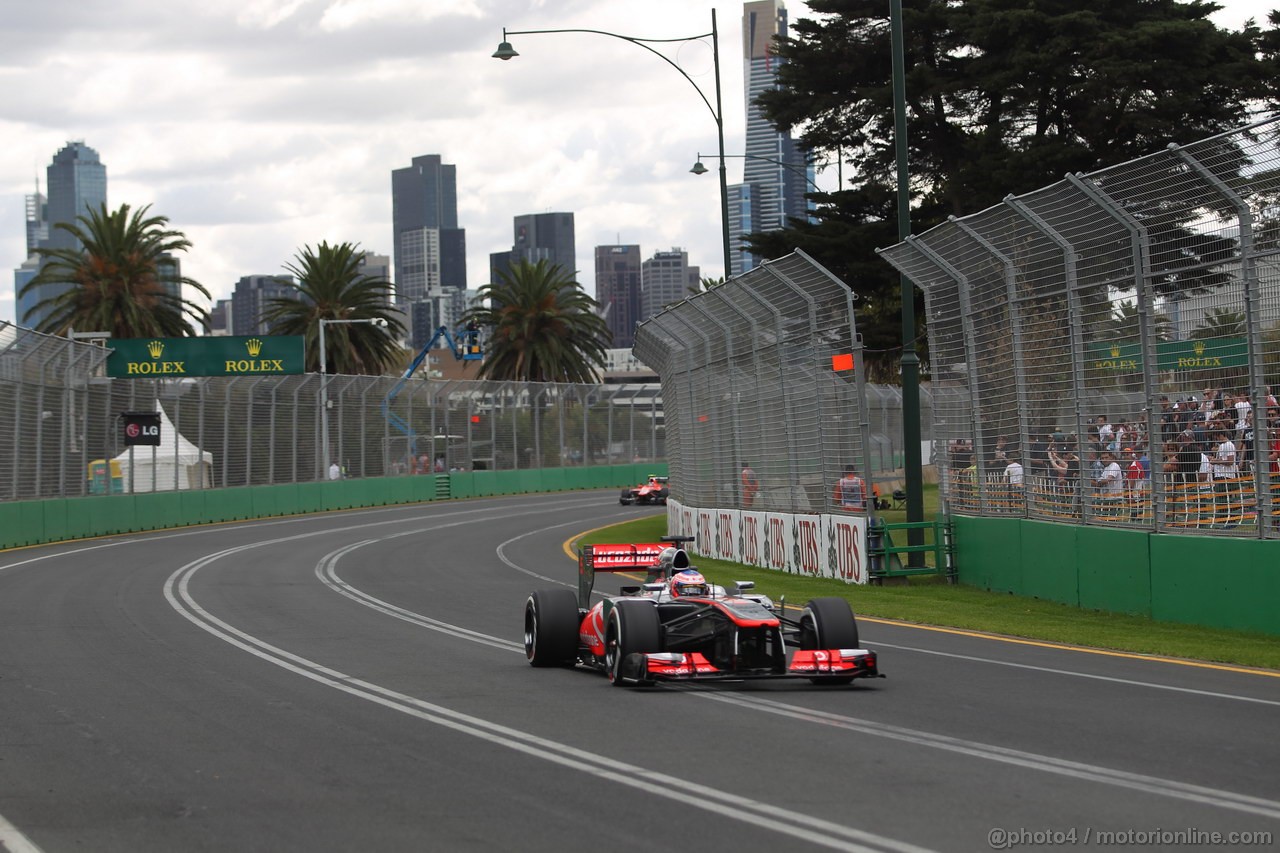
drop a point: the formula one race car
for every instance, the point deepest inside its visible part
(652, 491)
(677, 627)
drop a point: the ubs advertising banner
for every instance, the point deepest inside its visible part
(174, 358)
(829, 546)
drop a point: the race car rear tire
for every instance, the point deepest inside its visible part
(828, 623)
(551, 628)
(631, 629)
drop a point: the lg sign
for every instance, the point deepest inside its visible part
(141, 428)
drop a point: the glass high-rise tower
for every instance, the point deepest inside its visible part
(776, 173)
(76, 183)
(429, 249)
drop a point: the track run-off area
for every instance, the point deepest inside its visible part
(357, 680)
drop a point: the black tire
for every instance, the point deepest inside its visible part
(626, 497)
(662, 497)
(632, 628)
(828, 623)
(551, 628)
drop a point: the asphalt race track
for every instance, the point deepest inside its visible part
(356, 682)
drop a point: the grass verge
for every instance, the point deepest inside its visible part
(930, 601)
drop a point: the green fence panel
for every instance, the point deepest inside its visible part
(13, 533)
(1049, 558)
(553, 480)
(308, 498)
(1114, 568)
(1224, 583)
(53, 521)
(988, 551)
(267, 499)
(484, 483)
(80, 518)
(462, 484)
(156, 511)
(193, 505)
(111, 514)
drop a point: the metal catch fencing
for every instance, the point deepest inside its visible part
(766, 402)
(1117, 335)
(61, 419)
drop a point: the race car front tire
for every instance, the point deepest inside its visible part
(828, 623)
(632, 629)
(626, 497)
(551, 628)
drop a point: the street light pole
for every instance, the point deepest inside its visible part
(910, 363)
(324, 383)
(505, 51)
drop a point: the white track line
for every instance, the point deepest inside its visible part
(765, 815)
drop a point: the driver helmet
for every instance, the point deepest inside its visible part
(688, 583)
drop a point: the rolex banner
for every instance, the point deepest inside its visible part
(1201, 354)
(174, 358)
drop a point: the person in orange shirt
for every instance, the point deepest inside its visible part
(750, 485)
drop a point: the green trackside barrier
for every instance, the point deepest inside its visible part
(60, 519)
(156, 511)
(307, 498)
(1215, 582)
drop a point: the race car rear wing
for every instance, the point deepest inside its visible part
(623, 558)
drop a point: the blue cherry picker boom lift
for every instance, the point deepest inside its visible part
(465, 347)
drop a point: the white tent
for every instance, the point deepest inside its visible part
(175, 464)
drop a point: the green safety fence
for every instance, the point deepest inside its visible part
(24, 523)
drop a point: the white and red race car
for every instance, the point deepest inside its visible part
(673, 628)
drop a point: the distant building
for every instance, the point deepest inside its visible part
(618, 291)
(430, 249)
(776, 172)
(250, 299)
(220, 317)
(546, 236)
(666, 278)
(77, 183)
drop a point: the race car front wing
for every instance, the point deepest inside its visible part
(815, 664)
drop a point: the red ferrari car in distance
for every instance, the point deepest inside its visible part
(652, 491)
(678, 627)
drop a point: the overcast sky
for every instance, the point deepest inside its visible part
(260, 126)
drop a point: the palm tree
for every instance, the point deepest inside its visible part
(1220, 323)
(541, 327)
(330, 286)
(1125, 324)
(114, 278)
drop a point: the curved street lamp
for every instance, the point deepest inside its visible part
(699, 169)
(505, 51)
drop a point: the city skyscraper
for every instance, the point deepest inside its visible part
(776, 173)
(538, 237)
(250, 298)
(77, 183)
(664, 279)
(618, 290)
(429, 248)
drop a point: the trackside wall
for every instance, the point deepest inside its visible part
(43, 521)
(1216, 583)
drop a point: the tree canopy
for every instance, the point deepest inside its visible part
(540, 326)
(331, 286)
(115, 278)
(1003, 96)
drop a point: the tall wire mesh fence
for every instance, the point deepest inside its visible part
(1117, 334)
(62, 434)
(764, 389)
